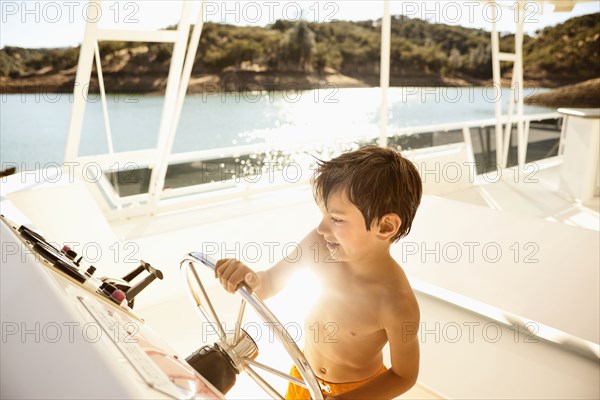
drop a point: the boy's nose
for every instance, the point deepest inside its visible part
(323, 227)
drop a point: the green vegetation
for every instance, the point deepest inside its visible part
(570, 48)
(16, 62)
(569, 51)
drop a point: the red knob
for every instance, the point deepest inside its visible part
(118, 295)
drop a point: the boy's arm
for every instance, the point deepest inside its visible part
(276, 277)
(268, 283)
(401, 327)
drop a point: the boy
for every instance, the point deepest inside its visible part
(368, 199)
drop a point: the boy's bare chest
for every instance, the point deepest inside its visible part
(337, 318)
(346, 308)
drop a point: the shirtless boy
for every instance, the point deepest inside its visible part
(368, 199)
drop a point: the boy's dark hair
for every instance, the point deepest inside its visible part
(377, 181)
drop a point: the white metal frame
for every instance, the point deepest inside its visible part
(159, 158)
(384, 71)
(182, 69)
(177, 81)
(503, 133)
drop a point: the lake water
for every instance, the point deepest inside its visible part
(34, 127)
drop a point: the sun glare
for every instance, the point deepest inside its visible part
(299, 296)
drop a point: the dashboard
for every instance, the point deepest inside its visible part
(68, 334)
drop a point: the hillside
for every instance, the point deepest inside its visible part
(583, 94)
(306, 55)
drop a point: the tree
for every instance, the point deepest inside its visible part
(299, 46)
(454, 59)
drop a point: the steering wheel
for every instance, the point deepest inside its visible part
(241, 348)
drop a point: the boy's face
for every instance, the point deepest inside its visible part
(343, 227)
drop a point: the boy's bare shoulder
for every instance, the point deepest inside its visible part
(399, 303)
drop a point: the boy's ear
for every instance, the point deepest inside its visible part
(388, 226)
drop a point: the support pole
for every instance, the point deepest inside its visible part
(497, 86)
(384, 72)
(518, 73)
(82, 84)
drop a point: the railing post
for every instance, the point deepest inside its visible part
(518, 73)
(384, 72)
(82, 85)
(159, 170)
(497, 83)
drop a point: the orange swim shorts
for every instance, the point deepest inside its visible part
(295, 392)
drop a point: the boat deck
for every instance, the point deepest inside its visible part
(533, 193)
(463, 366)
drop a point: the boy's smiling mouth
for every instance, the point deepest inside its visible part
(332, 246)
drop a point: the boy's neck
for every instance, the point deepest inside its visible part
(374, 266)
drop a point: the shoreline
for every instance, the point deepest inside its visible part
(245, 81)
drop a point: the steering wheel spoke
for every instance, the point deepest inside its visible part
(238, 323)
(270, 390)
(276, 372)
(209, 311)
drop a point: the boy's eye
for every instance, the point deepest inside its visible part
(333, 219)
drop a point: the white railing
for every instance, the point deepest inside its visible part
(170, 199)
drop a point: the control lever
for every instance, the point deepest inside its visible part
(124, 283)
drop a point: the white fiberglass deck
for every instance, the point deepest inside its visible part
(531, 193)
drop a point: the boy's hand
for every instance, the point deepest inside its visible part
(233, 273)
